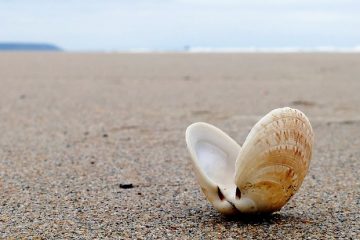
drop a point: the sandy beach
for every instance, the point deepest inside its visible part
(76, 126)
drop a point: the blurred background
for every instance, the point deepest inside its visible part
(92, 133)
(183, 25)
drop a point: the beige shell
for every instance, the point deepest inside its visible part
(261, 176)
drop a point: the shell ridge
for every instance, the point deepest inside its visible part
(274, 158)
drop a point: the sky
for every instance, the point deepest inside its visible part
(173, 25)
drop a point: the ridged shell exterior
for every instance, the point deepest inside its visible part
(274, 159)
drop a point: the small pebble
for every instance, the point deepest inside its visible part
(126, 185)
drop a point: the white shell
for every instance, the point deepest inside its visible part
(261, 176)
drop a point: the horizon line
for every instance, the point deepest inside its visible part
(322, 49)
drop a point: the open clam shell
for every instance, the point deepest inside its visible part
(262, 175)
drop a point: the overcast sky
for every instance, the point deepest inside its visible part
(172, 24)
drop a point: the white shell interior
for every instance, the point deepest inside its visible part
(214, 152)
(215, 162)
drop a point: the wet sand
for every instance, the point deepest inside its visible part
(73, 127)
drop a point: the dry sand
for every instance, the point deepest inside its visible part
(73, 127)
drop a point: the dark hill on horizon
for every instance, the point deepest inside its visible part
(10, 46)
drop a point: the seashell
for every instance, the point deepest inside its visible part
(263, 174)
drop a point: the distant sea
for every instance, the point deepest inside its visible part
(24, 46)
(324, 49)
